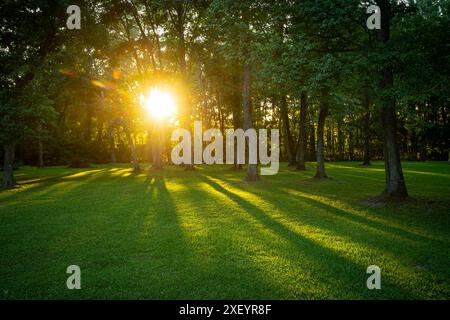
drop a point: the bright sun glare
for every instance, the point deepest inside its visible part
(160, 104)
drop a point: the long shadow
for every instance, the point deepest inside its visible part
(374, 170)
(50, 234)
(126, 228)
(379, 180)
(377, 240)
(340, 267)
(364, 220)
(131, 240)
(377, 228)
(226, 265)
(159, 232)
(29, 187)
(284, 189)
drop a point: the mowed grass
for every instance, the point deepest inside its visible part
(207, 235)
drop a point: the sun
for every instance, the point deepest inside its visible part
(159, 104)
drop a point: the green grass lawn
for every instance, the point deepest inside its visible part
(208, 235)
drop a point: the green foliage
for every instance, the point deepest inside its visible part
(28, 35)
(291, 46)
(26, 114)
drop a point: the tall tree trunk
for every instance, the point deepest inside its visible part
(340, 141)
(157, 148)
(323, 112)
(8, 166)
(112, 144)
(351, 150)
(237, 118)
(289, 144)
(252, 169)
(312, 141)
(132, 148)
(185, 103)
(395, 182)
(40, 153)
(329, 146)
(301, 147)
(366, 101)
(333, 143)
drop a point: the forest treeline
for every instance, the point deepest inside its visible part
(336, 90)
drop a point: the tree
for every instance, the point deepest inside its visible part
(252, 169)
(29, 34)
(395, 183)
(323, 112)
(238, 22)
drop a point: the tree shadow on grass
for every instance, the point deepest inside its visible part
(331, 266)
(141, 243)
(26, 189)
(417, 249)
(359, 219)
(133, 245)
(162, 243)
(227, 269)
(420, 253)
(194, 259)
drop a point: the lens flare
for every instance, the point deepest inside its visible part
(159, 104)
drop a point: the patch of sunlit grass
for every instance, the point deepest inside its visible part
(204, 234)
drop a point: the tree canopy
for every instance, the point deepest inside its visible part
(337, 90)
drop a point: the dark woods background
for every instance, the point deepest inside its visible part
(312, 69)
